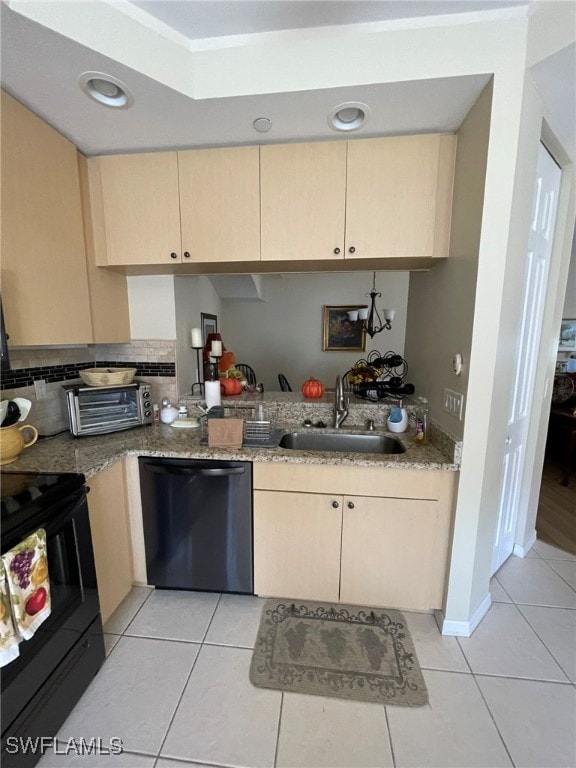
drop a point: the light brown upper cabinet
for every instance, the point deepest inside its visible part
(303, 201)
(108, 290)
(367, 198)
(171, 207)
(44, 281)
(399, 196)
(140, 208)
(220, 203)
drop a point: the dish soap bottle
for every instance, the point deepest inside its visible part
(421, 437)
(398, 419)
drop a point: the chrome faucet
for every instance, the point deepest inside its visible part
(341, 403)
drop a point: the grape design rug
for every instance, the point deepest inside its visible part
(345, 651)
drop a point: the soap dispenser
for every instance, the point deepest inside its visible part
(398, 419)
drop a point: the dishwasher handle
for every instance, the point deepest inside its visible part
(164, 469)
(220, 471)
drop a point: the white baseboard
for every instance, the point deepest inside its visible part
(522, 551)
(463, 628)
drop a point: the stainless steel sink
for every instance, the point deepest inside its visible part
(341, 441)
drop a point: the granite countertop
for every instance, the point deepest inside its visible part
(91, 455)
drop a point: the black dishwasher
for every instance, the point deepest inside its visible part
(197, 517)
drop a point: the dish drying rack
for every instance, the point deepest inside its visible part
(257, 432)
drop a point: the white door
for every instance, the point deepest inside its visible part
(535, 284)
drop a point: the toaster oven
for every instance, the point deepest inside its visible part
(98, 410)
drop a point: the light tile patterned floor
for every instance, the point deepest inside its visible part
(175, 688)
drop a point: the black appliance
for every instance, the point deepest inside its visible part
(41, 687)
(4, 357)
(197, 518)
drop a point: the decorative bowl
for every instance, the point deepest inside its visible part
(107, 377)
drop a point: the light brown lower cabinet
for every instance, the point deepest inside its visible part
(389, 551)
(108, 512)
(297, 545)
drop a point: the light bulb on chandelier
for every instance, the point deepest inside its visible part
(370, 317)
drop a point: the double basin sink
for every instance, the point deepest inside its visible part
(345, 442)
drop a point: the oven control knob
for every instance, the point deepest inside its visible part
(147, 413)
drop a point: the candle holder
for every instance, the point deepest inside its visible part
(199, 383)
(215, 367)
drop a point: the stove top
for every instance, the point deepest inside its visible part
(26, 494)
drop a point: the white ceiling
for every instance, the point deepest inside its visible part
(207, 18)
(41, 67)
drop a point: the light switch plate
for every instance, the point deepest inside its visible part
(453, 402)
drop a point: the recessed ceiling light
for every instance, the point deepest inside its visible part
(348, 116)
(106, 89)
(262, 124)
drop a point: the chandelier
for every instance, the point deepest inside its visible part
(370, 317)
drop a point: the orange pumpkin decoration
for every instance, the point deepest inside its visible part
(312, 388)
(230, 386)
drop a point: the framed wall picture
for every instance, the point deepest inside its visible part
(567, 340)
(209, 324)
(340, 333)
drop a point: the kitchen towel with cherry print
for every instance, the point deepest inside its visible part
(9, 640)
(26, 567)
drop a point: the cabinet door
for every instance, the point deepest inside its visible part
(297, 545)
(108, 289)
(220, 204)
(44, 282)
(141, 208)
(303, 188)
(110, 537)
(388, 553)
(399, 193)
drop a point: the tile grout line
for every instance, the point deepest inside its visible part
(212, 618)
(187, 680)
(502, 588)
(544, 644)
(490, 713)
(559, 574)
(514, 677)
(159, 753)
(133, 617)
(278, 729)
(390, 736)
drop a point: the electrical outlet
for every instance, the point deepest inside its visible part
(40, 389)
(453, 403)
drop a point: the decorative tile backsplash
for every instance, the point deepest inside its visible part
(153, 359)
(24, 377)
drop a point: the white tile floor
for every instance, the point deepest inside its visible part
(175, 688)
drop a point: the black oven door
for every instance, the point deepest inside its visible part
(74, 598)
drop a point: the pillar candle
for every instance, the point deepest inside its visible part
(216, 348)
(196, 334)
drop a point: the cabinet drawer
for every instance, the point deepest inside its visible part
(361, 481)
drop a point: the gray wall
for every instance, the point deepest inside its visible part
(441, 302)
(570, 298)
(192, 296)
(283, 334)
